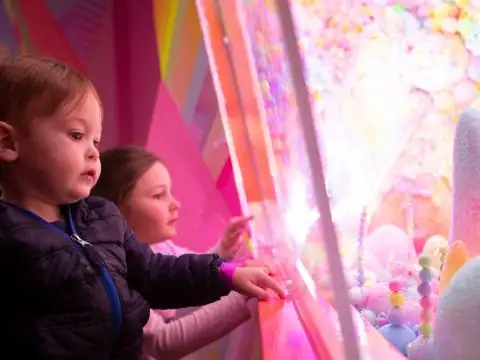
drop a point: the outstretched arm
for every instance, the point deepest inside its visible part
(180, 337)
(169, 282)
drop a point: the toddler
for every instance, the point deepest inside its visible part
(75, 282)
(140, 184)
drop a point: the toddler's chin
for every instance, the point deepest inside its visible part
(79, 193)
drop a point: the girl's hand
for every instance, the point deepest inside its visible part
(256, 282)
(232, 239)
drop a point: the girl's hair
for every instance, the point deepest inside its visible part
(121, 169)
(33, 86)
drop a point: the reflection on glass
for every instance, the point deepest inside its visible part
(387, 81)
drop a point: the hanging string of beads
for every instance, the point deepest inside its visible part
(424, 289)
(421, 347)
(360, 251)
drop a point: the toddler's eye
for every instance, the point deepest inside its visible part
(76, 135)
(159, 196)
(96, 143)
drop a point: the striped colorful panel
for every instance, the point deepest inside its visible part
(186, 73)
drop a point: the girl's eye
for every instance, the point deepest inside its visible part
(96, 143)
(159, 196)
(76, 135)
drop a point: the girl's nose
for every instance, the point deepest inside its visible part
(175, 204)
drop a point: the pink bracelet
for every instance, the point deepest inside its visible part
(227, 269)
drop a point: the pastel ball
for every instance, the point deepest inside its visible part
(425, 275)
(396, 316)
(396, 299)
(395, 286)
(370, 315)
(464, 93)
(398, 336)
(420, 349)
(424, 261)
(425, 329)
(424, 289)
(457, 320)
(381, 321)
(425, 303)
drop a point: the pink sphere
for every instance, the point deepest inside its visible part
(464, 93)
(395, 286)
(425, 303)
(390, 244)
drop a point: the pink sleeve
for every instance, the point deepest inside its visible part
(180, 337)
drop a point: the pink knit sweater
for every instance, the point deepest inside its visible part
(171, 337)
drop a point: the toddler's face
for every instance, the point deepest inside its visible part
(59, 156)
(151, 210)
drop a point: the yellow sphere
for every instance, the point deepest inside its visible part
(442, 10)
(425, 330)
(397, 299)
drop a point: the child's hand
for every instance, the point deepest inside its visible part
(255, 282)
(232, 239)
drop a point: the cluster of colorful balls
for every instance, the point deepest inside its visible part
(396, 331)
(439, 41)
(401, 301)
(421, 347)
(412, 340)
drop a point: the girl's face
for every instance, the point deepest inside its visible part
(151, 210)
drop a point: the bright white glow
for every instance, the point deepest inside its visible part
(367, 124)
(307, 279)
(299, 217)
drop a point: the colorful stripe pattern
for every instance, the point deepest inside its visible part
(67, 29)
(186, 72)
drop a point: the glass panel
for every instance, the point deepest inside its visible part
(387, 80)
(386, 86)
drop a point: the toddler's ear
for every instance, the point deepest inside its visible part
(8, 147)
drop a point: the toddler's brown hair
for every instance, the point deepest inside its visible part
(35, 87)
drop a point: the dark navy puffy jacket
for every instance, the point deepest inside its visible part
(60, 299)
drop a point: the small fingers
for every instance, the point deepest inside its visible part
(239, 222)
(256, 292)
(269, 282)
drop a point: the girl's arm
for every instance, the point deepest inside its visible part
(170, 341)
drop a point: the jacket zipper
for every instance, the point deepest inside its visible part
(109, 286)
(107, 280)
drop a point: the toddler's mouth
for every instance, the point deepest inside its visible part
(90, 174)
